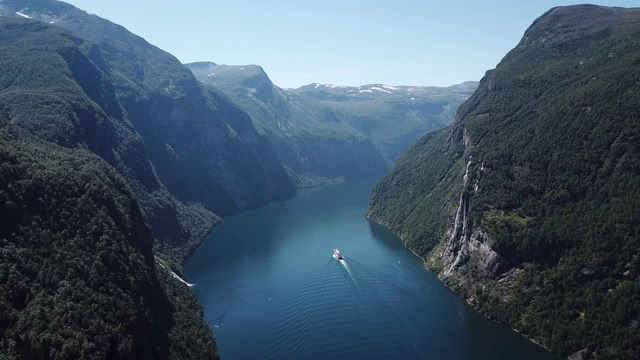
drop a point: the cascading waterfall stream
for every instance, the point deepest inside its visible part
(461, 212)
(181, 279)
(177, 277)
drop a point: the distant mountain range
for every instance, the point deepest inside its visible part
(528, 204)
(324, 132)
(394, 117)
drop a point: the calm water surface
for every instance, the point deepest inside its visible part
(271, 290)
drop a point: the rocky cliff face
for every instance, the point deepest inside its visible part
(314, 146)
(186, 150)
(323, 132)
(466, 253)
(525, 205)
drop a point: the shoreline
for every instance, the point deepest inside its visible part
(466, 299)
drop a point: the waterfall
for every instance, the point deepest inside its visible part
(462, 211)
(176, 276)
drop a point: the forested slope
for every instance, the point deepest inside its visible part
(188, 153)
(112, 152)
(77, 276)
(326, 132)
(527, 205)
(314, 145)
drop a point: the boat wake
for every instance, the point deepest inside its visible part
(338, 256)
(391, 282)
(222, 316)
(327, 303)
(344, 264)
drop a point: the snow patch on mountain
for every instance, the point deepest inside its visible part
(330, 86)
(380, 89)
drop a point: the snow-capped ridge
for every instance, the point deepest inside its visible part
(330, 86)
(380, 89)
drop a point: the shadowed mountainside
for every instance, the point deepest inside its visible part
(185, 149)
(77, 275)
(323, 132)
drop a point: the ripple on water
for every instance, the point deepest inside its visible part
(337, 308)
(267, 279)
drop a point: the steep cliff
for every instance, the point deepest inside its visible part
(322, 132)
(187, 152)
(77, 275)
(111, 147)
(315, 147)
(527, 205)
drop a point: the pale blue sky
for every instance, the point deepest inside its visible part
(342, 42)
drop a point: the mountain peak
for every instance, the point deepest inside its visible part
(199, 65)
(250, 76)
(576, 24)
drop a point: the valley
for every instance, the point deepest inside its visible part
(119, 163)
(324, 133)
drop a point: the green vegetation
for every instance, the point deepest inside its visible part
(393, 117)
(182, 151)
(416, 212)
(324, 133)
(90, 86)
(49, 95)
(77, 275)
(552, 138)
(188, 154)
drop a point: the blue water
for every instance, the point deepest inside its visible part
(271, 289)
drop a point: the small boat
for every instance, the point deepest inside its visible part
(337, 254)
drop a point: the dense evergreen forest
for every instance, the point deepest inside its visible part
(77, 272)
(84, 206)
(528, 204)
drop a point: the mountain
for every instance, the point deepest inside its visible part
(188, 153)
(78, 277)
(324, 132)
(116, 162)
(394, 117)
(527, 204)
